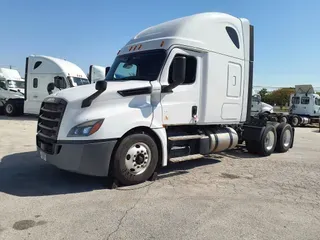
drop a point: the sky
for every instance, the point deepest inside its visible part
(287, 33)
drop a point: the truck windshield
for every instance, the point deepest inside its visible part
(137, 66)
(80, 81)
(15, 84)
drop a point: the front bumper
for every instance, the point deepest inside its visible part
(89, 158)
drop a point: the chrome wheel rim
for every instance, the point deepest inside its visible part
(138, 158)
(269, 140)
(9, 108)
(286, 138)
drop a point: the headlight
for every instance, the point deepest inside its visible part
(86, 128)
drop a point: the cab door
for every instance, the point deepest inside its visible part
(181, 104)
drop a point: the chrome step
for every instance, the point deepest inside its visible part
(185, 137)
(185, 158)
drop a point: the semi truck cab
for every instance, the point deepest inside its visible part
(11, 80)
(174, 92)
(44, 75)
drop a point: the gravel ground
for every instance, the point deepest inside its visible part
(230, 196)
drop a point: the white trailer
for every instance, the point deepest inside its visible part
(97, 73)
(184, 93)
(44, 75)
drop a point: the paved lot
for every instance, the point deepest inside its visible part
(234, 196)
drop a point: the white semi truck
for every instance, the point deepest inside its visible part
(11, 80)
(304, 107)
(44, 75)
(184, 93)
(258, 107)
(11, 86)
(97, 73)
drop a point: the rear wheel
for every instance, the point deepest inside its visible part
(283, 119)
(295, 121)
(135, 159)
(285, 138)
(268, 141)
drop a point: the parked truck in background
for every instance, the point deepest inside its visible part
(44, 75)
(97, 73)
(11, 86)
(184, 92)
(304, 108)
(258, 107)
(11, 80)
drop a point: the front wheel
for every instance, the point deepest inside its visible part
(135, 159)
(10, 108)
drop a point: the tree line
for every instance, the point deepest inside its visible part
(280, 97)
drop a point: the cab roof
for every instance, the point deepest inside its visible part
(212, 31)
(47, 64)
(10, 74)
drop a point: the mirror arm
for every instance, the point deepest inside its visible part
(166, 89)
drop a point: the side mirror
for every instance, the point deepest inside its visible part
(179, 70)
(101, 85)
(179, 66)
(50, 87)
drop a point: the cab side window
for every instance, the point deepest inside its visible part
(3, 85)
(317, 101)
(59, 82)
(191, 70)
(305, 100)
(295, 100)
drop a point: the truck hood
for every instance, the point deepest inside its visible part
(17, 89)
(266, 107)
(84, 91)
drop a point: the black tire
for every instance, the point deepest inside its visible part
(283, 119)
(295, 121)
(282, 139)
(263, 147)
(10, 109)
(252, 146)
(120, 167)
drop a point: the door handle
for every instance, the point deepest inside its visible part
(35, 96)
(194, 112)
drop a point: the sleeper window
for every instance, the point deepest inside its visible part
(35, 82)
